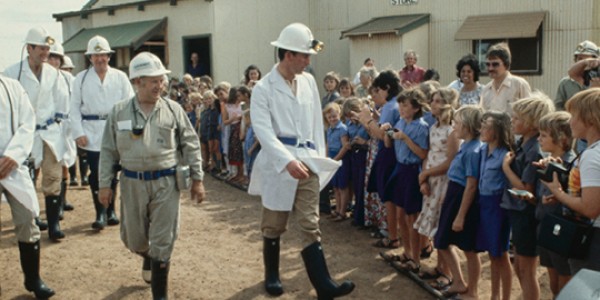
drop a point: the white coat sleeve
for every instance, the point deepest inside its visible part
(260, 114)
(21, 143)
(319, 131)
(75, 111)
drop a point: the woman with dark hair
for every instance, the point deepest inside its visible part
(385, 89)
(252, 74)
(467, 84)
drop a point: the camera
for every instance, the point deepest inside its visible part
(589, 74)
(390, 132)
(552, 167)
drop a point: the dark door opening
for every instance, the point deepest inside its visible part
(200, 46)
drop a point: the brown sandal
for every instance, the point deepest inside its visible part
(387, 243)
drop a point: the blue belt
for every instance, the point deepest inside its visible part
(61, 116)
(45, 125)
(294, 142)
(94, 117)
(149, 175)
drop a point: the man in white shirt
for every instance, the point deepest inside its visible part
(42, 83)
(17, 125)
(291, 167)
(95, 92)
(505, 88)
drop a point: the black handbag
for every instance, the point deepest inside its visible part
(566, 236)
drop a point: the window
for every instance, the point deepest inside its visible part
(526, 54)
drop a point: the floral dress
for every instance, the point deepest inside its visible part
(374, 209)
(427, 222)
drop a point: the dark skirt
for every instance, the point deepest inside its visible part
(493, 233)
(342, 176)
(358, 166)
(236, 154)
(445, 236)
(403, 188)
(385, 163)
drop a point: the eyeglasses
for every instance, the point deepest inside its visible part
(494, 64)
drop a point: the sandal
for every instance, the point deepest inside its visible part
(377, 234)
(426, 252)
(428, 275)
(403, 258)
(409, 266)
(442, 283)
(340, 218)
(452, 294)
(334, 214)
(387, 243)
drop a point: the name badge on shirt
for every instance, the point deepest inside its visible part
(124, 125)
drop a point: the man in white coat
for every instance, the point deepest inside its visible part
(17, 125)
(43, 85)
(291, 167)
(95, 92)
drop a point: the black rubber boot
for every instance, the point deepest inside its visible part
(160, 279)
(100, 222)
(63, 196)
(42, 225)
(73, 175)
(30, 263)
(52, 211)
(147, 268)
(111, 214)
(316, 267)
(271, 261)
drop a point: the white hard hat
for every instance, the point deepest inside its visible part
(298, 38)
(39, 36)
(68, 63)
(98, 45)
(587, 48)
(57, 49)
(146, 64)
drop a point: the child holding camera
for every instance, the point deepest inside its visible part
(556, 139)
(411, 143)
(521, 174)
(494, 230)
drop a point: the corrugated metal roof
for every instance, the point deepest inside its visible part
(392, 24)
(515, 25)
(118, 36)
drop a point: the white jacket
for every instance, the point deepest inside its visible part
(276, 112)
(95, 97)
(44, 95)
(17, 127)
(70, 155)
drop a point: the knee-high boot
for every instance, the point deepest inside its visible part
(110, 212)
(41, 224)
(52, 214)
(160, 279)
(30, 263)
(63, 196)
(100, 222)
(316, 267)
(271, 261)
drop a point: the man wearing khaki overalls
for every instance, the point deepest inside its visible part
(149, 136)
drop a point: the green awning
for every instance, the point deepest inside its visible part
(391, 24)
(129, 35)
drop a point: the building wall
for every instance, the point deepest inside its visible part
(241, 31)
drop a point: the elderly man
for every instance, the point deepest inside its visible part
(411, 74)
(17, 124)
(153, 140)
(46, 91)
(291, 167)
(505, 88)
(95, 92)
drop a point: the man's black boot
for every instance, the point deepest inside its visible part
(100, 222)
(271, 261)
(316, 267)
(30, 263)
(160, 279)
(52, 214)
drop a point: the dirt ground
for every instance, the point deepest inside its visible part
(217, 256)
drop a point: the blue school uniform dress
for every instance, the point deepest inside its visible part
(429, 118)
(548, 258)
(403, 185)
(385, 161)
(334, 145)
(465, 164)
(494, 229)
(521, 213)
(358, 169)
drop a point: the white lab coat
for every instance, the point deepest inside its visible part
(16, 141)
(70, 155)
(276, 112)
(96, 97)
(44, 96)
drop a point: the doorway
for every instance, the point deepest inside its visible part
(201, 46)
